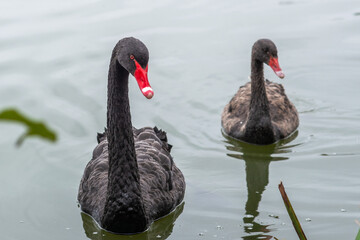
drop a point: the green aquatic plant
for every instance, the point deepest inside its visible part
(34, 128)
(358, 235)
(291, 213)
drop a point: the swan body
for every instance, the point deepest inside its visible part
(131, 179)
(260, 112)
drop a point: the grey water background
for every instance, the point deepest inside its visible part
(54, 59)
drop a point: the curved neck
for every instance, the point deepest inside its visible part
(259, 128)
(123, 200)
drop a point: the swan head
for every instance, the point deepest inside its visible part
(264, 50)
(133, 55)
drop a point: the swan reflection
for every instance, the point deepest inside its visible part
(160, 229)
(257, 160)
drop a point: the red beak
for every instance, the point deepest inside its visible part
(140, 75)
(274, 64)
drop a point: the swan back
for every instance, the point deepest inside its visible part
(162, 183)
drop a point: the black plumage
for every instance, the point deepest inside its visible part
(260, 112)
(131, 179)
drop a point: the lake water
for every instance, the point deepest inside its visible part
(53, 66)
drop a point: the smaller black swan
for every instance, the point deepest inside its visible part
(131, 179)
(260, 112)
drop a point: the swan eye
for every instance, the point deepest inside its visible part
(132, 57)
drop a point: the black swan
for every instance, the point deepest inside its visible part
(131, 179)
(260, 112)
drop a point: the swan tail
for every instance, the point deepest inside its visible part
(162, 136)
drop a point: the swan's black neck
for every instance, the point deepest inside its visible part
(124, 209)
(259, 129)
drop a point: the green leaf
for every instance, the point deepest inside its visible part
(358, 235)
(34, 128)
(291, 213)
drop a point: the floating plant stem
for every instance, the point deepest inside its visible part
(291, 213)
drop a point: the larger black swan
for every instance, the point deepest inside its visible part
(131, 179)
(260, 112)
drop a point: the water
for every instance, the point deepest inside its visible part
(53, 66)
